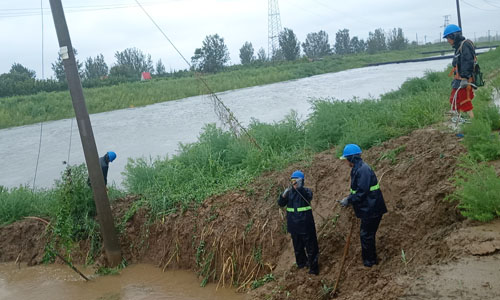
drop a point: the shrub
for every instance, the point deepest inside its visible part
(481, 143)
(477, 186)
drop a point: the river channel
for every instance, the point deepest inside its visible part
(156, 130)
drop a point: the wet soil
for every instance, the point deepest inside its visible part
(238, 237)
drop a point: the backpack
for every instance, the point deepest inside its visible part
(477, 75)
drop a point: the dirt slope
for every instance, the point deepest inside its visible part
(239, 236)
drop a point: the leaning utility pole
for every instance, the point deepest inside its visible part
(458, 15)
(109, 237)
(273, 28)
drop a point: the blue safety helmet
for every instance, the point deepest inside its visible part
(111, 156)
(452, 28)
(350, 149)
(297, 174)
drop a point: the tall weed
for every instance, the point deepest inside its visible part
(477, 186)
(481, 142)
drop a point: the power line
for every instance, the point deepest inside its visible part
(38, 156)
(222, 111)
(27, 12)
(41, 14)
(489, 10)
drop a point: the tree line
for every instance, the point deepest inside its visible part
(211, 57)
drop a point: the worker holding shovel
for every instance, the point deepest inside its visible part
(300, 222)
(367, 201)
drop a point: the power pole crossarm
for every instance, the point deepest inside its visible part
(110, 239)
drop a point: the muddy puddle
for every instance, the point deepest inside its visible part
(468, 278)
(136, 282)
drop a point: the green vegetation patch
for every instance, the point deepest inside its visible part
(477, 186)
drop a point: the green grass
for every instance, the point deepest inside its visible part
(477, 186)
(22, 110)
(219, 161)
(16, 203)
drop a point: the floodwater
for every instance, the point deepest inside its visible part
(156, 130)
(136, 282)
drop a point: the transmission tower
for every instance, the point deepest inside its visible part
(274, 28)
(446, 21)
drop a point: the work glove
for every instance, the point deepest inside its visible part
(299, 183)
(464, 83)
(285, 192)
(344, 202)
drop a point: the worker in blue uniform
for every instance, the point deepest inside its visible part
(300, 222)
(367, 201)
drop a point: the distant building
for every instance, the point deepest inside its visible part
(145, 76)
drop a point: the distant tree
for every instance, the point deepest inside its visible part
(22, 81)
(160, 68)
(130, 63)
(316, 44)
(261, 55)
(58, 68)
(397, 40)
(246, 53)
(212, 56)
(357, 45)
(342, 42)
(95, 68)
(376, 41)
(289, 45)
(21, 71)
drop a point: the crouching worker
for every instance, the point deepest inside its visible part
(300, 222)
(367, 201)
(104, 163)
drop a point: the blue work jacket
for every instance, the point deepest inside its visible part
(366, 197)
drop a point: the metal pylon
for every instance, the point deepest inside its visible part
(274, 28)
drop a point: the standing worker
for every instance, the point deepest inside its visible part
(367, 201)
(300, 222)
(463, 68)
(104, 163)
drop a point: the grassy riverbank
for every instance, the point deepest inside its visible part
(22, 110)
(218, 161)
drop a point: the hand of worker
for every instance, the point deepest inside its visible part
(463, 83)
(344, 202)
(285, 192)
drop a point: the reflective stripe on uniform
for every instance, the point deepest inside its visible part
(299, 209)
(372, 188)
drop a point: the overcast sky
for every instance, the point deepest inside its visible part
(107, 26)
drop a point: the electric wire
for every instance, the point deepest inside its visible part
(41, 14)
(222, 111)
(70, 136)
(489, 10)
(38, 156)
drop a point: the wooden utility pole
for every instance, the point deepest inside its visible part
(109, 237)
(458, 15)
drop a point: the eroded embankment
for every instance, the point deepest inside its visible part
(238, 237)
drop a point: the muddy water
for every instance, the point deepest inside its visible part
(157, 130)
(136, 282)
